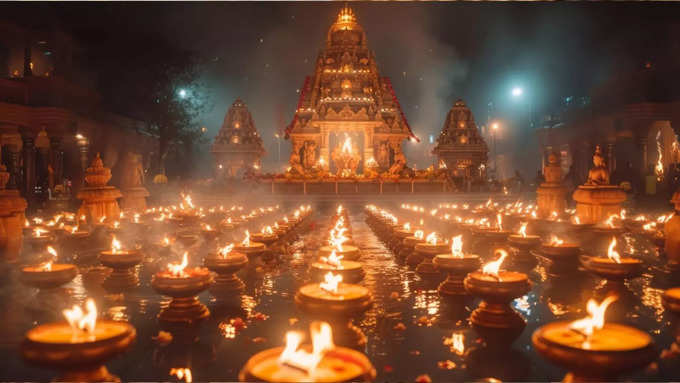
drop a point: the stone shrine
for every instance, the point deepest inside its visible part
(550, 195)
(99, 199)
(596, 200)
(132, 184)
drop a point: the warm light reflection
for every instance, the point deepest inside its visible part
(612, 253)
(333, 260)
(432, 239)
(555, 241)
(594, 321)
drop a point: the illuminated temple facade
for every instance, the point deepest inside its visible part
(460, 145)
(237, 148)
(348, 117)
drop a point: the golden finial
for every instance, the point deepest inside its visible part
(346, 15)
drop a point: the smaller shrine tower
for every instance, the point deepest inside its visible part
(460, 146)
(238, 146)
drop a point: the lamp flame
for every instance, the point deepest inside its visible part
(407, 226)
(613, 254)
(499, 222)
(330, 283)
(523, 230)
(333, 260)
(493, 267)
(226, 250)
(555, 241)
(115, 245)
(658, 169)
(431, 238)
(177, 269)
(82, 321)
(594, 321)
(246, 240)
(182, 374)
(322, 342)
(457, 246)
(347, 145)
(419, 234)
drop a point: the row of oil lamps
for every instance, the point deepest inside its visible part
(81, 345)
(588, 347)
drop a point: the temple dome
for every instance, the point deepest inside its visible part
(346, 31)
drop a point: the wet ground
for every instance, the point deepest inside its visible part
(216, 350)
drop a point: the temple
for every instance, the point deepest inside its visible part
(238, 146)
(348, 117)
(460, 147)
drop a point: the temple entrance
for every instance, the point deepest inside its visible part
(346, 153)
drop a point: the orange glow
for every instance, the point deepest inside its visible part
(82, 321)
(322, 342)
(226, 250)
(330, 283)
(594, 321)
(333, 260)
(419, 234)
(523, 230)
(182, 374)
(555, 241)
(613, 254)
(115, 245)
(246, 240)
(493, 267)
(457, 246)
(177, 269)
(432, 238)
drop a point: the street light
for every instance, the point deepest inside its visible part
(517, 91)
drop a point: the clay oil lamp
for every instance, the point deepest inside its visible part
(457, 265)
(209, 232)
(48, 275)
(399, 235)
(495, 319)
(183, 285)
(591, 349)
(322, 361)
(409, 244)
(671, 300)
(77, 233)
(266, 236)
(562, 256)
(493, 234)
(114, 228)
(39, 239)
(432, 246)
(614, 267)
(123, 263)
(226, 263)
(337, 244)
(80, 346)
(187, 213)
(350, 271)
(608, 228)
(250, 248)
(523, 243)
(187, 237)
(337, 303)
(578, 227)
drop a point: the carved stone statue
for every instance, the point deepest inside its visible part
(133, 172)
(382, 156)
(599, 174)
(399, 163)
(309, 159)
(295, 162)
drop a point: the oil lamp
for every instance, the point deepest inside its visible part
(183, 285)
(614, 267)
(671, 299)
(409, 244)
(39, 239)
(427, 250)
(350, 271)
(80, 346)
(337, 243)
(48, 275)
(579, 227)
(493, 234)
(187, 213)
(591, 349)
(228, 224)
(398, 236)
(123, 263)
(266, 236)
(523, 243)
(322, 361)
(457, 265)
(226, 262)
(209, 232)
(336, 302)
(494, 319)
(562, 256)
(250, 248)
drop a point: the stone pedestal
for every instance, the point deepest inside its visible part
(134, 199)
(672, 233)
(550, 197)
(595, 203)
(99, 199)
(12, 209)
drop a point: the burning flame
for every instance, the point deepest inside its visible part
(457, 246)
(555, 241)
(658, 169)
(456, 343)
(166, 241)
(47, 266)
(267, 230)
(115, 246)
(613, 254)
(322, 342)
(333, 259)
(177, 269)
(207, 227)
(523, 230)
(339, 210)
(577, 220)
(337, 238)
(419, 234)
(226, 250)
(431, 238)
(82, 321)
(499, 222)
(493, 267)
(102, 219)
(38, 232)
(442, 164)
(594, 320)
(246, 240)
(407, 226)
(347, 145)
(182, 374)
(188, 201)
(330, 283)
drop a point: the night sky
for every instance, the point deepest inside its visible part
(434, 52)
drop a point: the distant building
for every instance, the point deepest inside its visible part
(52, 120)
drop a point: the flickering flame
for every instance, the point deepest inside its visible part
(431, 238)
(442, 164)
(594, 321)
(256, 166)
(523, 230)
(207, 227)
(82, 321)
(493, 267)
(650, 226)
(664, 218)
(457, 246)
(339, 210)
(115, 245)
(613, 254)
(102, 219)
(456, 343)
(555, 241)
(577, 220)
(166, 241)
(322, 342)
(407, 226)
(182, 374)
(347, 145)
(246, 240)
(135, 218)
(38, 232)
(47, 266)
(26, 223)
(116, 225)
(499, 222)
(188, 201)
(610, 221)
(533, 214)
(337, 238)
(267, 230)
(333, 260)
(74, 229)
(658, 169)
(177, 269)
(419, 234)
(330, 283)
(226, 250)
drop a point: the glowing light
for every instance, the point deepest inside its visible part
(333, 260)
(116, 247)
(457, 246)
(322, 342)
(499, 222)
(658, 169)
(431, 238)
(82, 321)
(523, 230)
(330, 283)
(555, 241)
(594, 321)
(407, 226)
(347, 145)
(517, 91)
(182, 374)
(246, 240)
(493, 267)
(613, 254)
(177, 269)
(419, 234)
(226, 250)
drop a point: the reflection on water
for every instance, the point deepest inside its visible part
(410, 330)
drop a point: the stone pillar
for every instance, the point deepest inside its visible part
(28, 184)
(57, 159)
(83, 148)
(611, 157)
